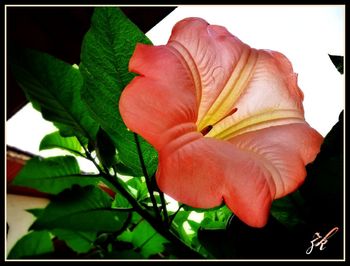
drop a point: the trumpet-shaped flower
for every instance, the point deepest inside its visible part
(227, 120)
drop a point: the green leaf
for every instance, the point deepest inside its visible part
(52, 175)
(208, 223)
(105, 55)
(178, 223)
(31, 245)
(123, 169)
(81, 209)
(79, 241)
(338, 62)
(145, 239)
(120, 202)
(105, 149)
(36, 211)
(215, 218)
(147, 201)
(55, 140)
(53, 87)
(138, 188)
(288, 210)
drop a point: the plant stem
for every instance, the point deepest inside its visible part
(162, 200)
(148, 179)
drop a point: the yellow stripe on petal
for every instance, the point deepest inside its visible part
(186, 57)
(229, 128)
(234, 87)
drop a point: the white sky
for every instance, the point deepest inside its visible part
(305, 34)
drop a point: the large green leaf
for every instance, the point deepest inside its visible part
(105, 55)
(31, 245)
(79, 241)
(55, 140)
(52, 175)
(53, 87)
(81, 209)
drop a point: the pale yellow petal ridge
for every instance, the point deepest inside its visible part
(229, 128)
(234, 87)
(185, 56)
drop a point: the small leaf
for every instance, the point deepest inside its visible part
(210, 224)
(79, 241)
(144, 238)
(55, 140)
(53, 87)
(81, 209)
(338, 62)
(288, 210)
(105, 55)
(31, 245)
(138, 188)
(52, 175)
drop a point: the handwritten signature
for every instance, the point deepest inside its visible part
(318, 240)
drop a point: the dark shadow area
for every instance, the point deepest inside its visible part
(59, 31)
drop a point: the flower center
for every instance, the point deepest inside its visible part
(219, 121)
(223, 106)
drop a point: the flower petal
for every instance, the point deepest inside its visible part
(204, 172)
(216, 59)
(161, 99)
(272, 97)
(284, 150)
(248, 174)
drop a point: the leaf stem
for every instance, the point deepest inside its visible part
(89, 156)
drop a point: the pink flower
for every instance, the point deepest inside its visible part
(227, 120)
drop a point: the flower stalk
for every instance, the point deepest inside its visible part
(148, 179)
